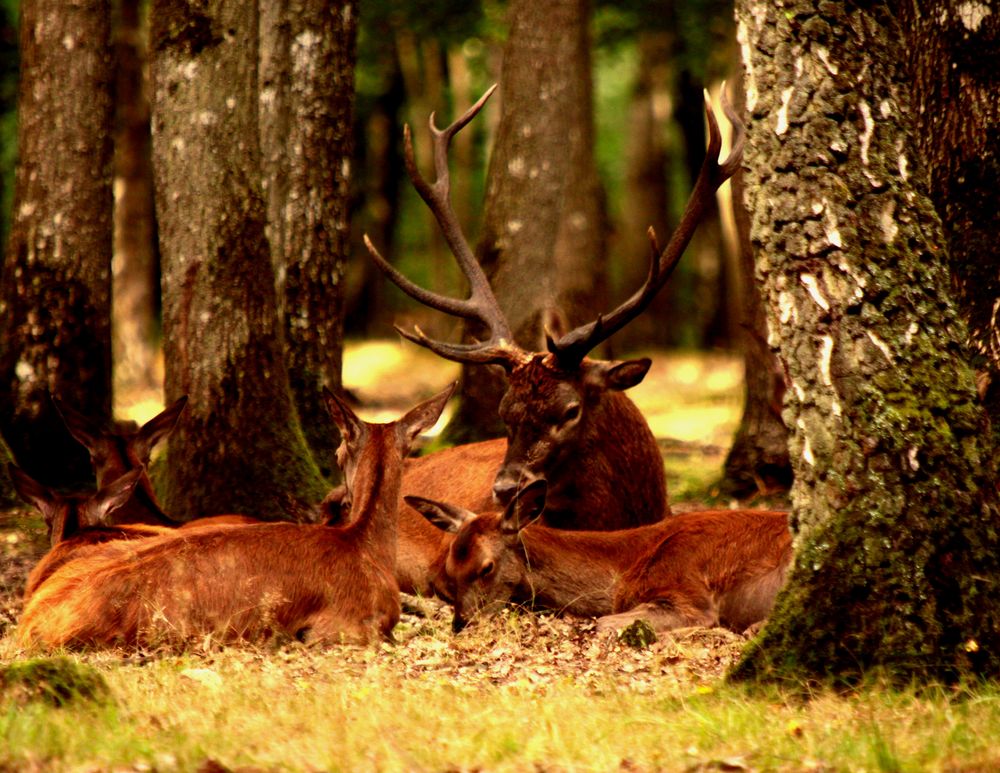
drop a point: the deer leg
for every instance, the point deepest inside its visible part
(665, 613)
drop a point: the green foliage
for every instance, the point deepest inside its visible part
(55, 681)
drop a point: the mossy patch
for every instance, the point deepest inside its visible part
(55, 681)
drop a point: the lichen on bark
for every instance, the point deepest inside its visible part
(893, 503)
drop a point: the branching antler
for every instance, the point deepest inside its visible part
(481, 305)
(571, 348)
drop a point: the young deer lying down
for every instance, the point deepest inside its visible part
(121, 449)
(718, 567)
(77, 521)
(316, 583)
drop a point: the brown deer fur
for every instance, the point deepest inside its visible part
(717, 567)
(316, 583)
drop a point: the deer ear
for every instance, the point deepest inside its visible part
(616, 375)
(30, 490)
(110, 498)
(157, 428)
(526, 507)
(350, 426)
(424, 416)
(446, 517)
(84, 430)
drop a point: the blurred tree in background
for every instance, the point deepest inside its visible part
(55, 297)
(306, 113)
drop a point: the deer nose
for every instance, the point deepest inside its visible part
(458, 623)
(503, 491)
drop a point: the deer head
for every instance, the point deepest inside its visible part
(486, 564)
(559, 403)
(66, 514)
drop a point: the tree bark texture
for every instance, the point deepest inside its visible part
(526, 184)
(646, 194)
(306, 124)
(238, 446)
(893, 500)
(55, 307)
(758, 461)
(954, 62)
(135, 266)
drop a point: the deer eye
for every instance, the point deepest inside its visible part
(572, 413)
(486, 570)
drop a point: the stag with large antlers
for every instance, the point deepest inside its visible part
(566, 415)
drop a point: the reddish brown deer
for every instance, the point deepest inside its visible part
(312, 582)
(717, 567)
(118, 450)
(567, 417)
(77, 521)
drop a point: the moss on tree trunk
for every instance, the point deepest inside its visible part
(893, 500)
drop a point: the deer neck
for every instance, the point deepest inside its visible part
(375, 497)
(614, 479)
(574, 572)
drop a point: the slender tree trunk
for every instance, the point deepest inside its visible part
(953, 59)
(135, 268)
(238, 446)
(580, 254)
(646, 195)
(306, 115)
(526, 184)
(55, 307)
(893, 501)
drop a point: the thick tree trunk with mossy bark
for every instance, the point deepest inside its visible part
(893, 502)
(306, 122)
(954, 61)
(238, 446)
(55, 298)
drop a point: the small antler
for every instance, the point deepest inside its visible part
(481, 305)
(571, 348)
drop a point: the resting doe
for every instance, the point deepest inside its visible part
(717, 567)
(315, 583)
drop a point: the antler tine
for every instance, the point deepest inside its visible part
(500, 354)
(574, 346)
(738, 140)
(481, 304)
(434, 300)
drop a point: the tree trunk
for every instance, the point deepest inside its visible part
(646, 194)
(238, 446)
(954, 57)
(757, 462)
(135, 267)
(306, 116)
(893, 501)
(55, 307)
(526, 183)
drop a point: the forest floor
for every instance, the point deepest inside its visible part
(522, 691)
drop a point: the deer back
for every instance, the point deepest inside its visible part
(714, 567)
